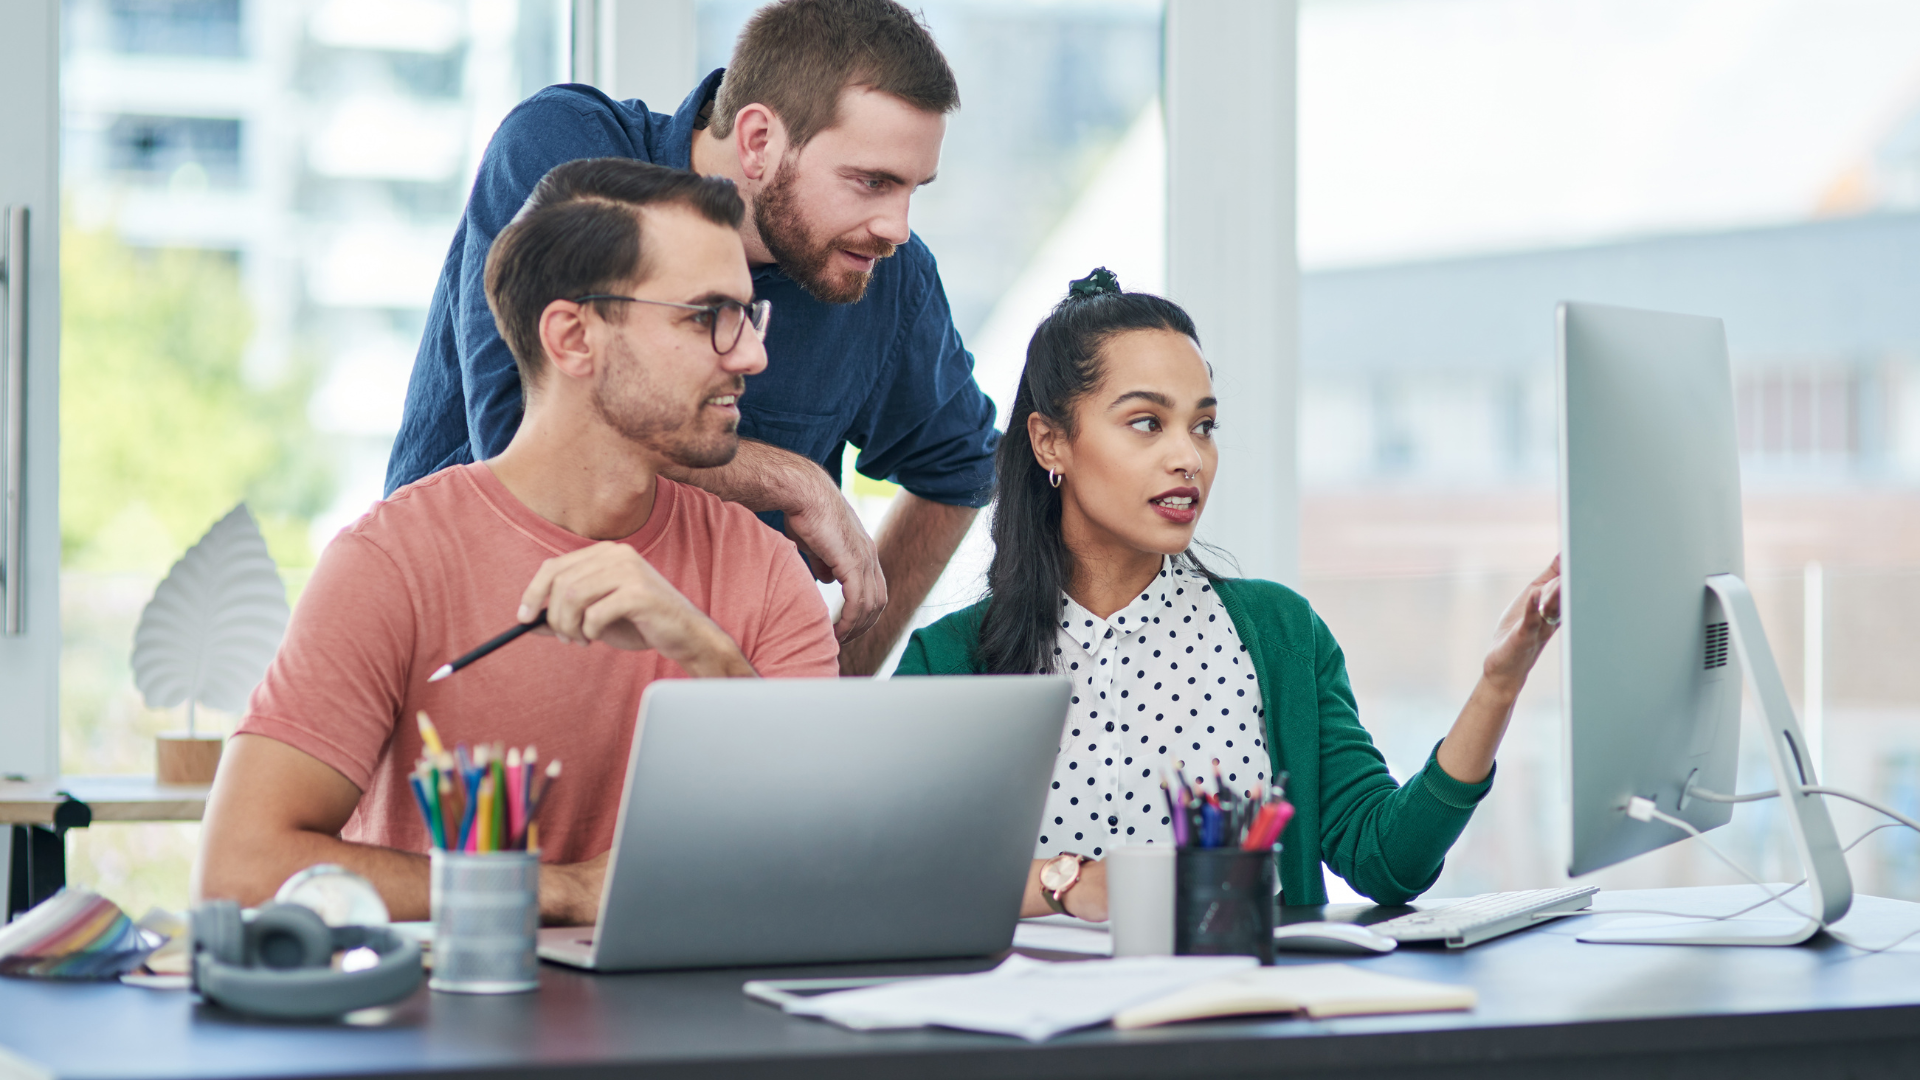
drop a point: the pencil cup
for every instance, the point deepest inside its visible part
(486, 912)
(1140, 899)
(1223, 903)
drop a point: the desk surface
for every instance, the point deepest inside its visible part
(1548, 1006)
(112, 798)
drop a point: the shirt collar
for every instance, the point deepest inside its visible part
(678, 150)
(1138, 613)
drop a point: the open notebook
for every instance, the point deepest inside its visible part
(1318, 990)
(1036, 1000)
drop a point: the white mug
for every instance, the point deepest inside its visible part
(1140, 899)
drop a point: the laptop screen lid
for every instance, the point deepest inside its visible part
(813, 820)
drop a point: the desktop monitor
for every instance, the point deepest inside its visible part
(1658, 626)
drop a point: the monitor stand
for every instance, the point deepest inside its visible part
(1829, 885)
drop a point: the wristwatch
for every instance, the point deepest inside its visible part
(1057, 875)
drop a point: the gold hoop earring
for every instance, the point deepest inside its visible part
(1053, 478)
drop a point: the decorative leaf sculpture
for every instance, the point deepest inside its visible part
(212, 626)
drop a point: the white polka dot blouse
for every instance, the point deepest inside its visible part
(1164, 679)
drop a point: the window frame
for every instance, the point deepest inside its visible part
(29, 176)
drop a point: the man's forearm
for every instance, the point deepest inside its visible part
(760, 477)
(251, 874)
(917, 539)
(250, 870)
(763, 477)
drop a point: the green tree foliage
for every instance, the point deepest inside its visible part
(161, 432)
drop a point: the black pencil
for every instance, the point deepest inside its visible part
(447, 669)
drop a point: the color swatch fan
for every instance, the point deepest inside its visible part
(207, 637)
(74, 934)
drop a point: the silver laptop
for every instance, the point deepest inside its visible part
(786, 821)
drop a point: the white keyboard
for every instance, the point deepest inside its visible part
(1478, 918)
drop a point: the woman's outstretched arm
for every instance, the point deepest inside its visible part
(1523, 632)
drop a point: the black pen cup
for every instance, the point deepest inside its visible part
(1223, 903)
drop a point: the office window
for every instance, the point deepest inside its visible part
(155, 149)
(251, 237)
(1464, 164)
(175, 27)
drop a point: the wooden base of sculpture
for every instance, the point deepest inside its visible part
(186, 759)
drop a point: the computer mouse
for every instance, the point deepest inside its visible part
(1331, 937)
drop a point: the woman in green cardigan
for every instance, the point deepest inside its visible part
(1102, 478)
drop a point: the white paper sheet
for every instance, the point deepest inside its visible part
(1070, 939)
(1031, 999)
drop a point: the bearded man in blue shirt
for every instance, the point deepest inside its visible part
(828, 120)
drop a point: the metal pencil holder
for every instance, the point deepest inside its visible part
(486, 916)
(1223, 903)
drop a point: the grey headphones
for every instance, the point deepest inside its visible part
(276, 961)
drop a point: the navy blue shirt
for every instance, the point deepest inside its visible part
(887, 374)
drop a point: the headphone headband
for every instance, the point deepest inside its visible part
(229, 970)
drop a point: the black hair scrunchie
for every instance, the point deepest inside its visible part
(1099, 283)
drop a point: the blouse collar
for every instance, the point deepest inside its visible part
(1095, 634)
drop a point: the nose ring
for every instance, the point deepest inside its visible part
(1186, 474)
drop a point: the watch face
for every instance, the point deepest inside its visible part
(1059, 872)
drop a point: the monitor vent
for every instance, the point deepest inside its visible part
(1716, 645)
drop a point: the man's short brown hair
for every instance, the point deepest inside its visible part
(579, 233)
(795, 56)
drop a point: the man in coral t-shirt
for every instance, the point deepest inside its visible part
(655, 579)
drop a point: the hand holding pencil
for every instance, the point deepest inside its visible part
(607, 592)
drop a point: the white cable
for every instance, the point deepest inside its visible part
(1641, 809)
(1866, 802)
(1856, 842)
(1862, 837)
(1714, 796)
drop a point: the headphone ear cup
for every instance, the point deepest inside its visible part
(287, 936)
(218, 931)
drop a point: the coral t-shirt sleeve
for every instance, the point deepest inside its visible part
(335, 688)
(796, 637)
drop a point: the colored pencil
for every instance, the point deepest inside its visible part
(484, 798)
(429, 735)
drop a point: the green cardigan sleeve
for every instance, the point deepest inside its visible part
(1388, 840)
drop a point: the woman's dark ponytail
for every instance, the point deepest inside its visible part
(1031, 566)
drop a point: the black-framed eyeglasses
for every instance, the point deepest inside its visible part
(726, 320)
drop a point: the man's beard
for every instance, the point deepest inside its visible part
(776, 214)
(634, 406)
